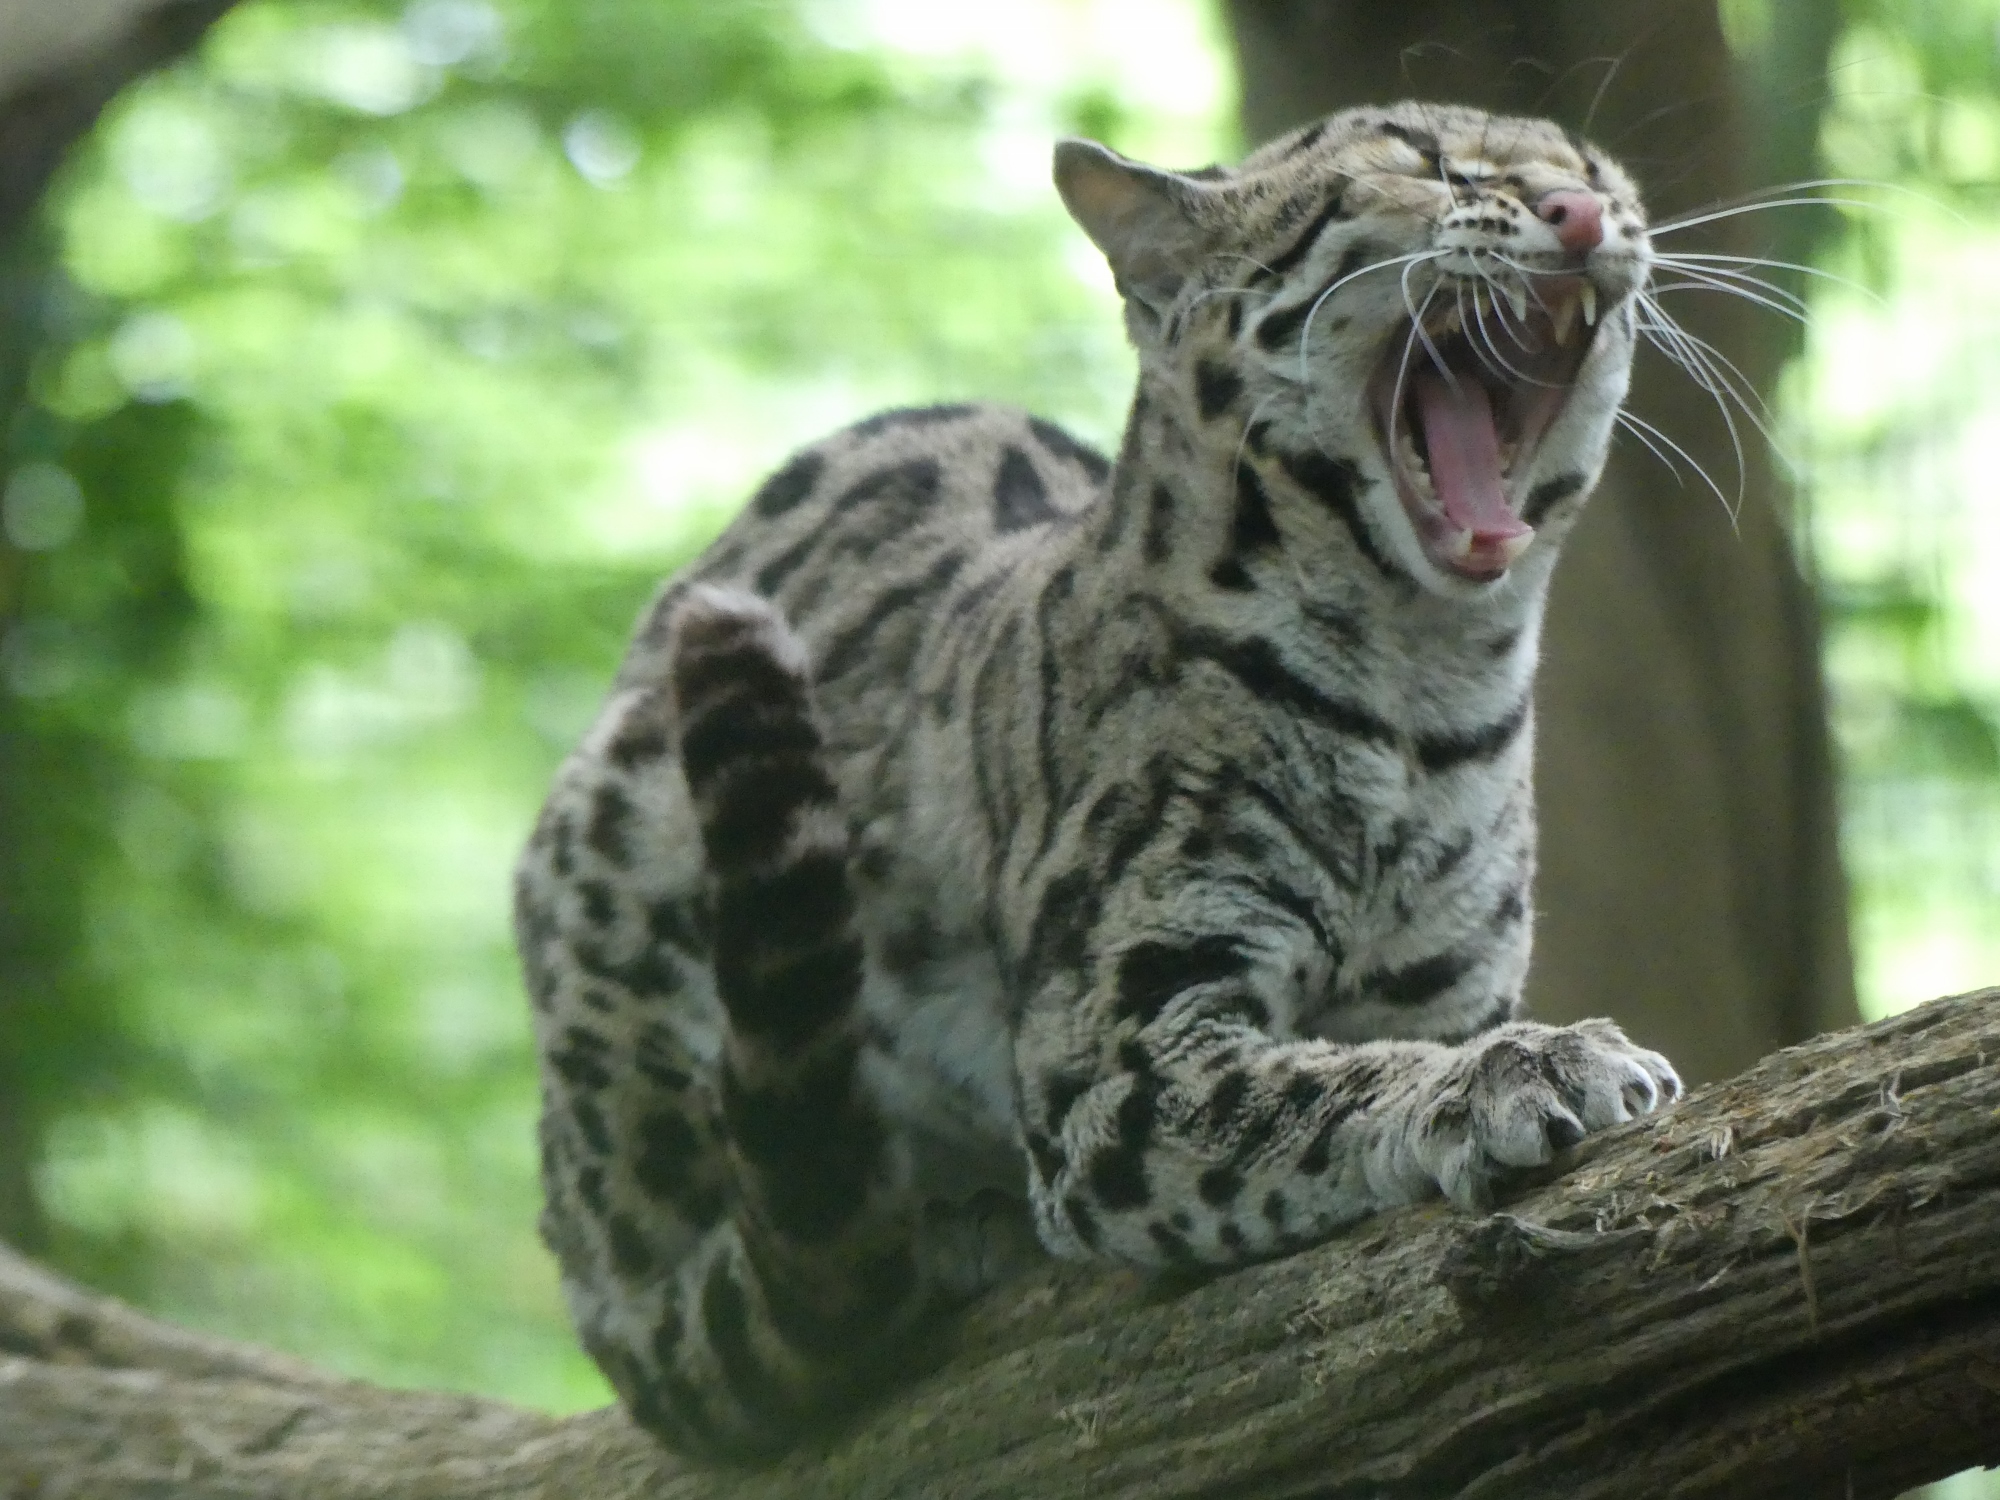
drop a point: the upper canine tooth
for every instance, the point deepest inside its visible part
(1588, 297)
(1565, 319)
(1517, 298)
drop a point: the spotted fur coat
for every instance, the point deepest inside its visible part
(988, 849)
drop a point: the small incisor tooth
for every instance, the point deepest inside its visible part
(1587, 295)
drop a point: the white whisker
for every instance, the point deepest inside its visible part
(1674, 226)
(1701, 283)
(1635, 423)
(1406, 261)
(1637, 428)
(1678, 258)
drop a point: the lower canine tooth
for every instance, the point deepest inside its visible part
(1565, 320)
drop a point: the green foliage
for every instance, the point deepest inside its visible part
(1893, 420)
(402, 350)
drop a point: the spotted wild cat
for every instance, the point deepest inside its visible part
(981, 833)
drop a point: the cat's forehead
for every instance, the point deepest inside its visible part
(1403, 138)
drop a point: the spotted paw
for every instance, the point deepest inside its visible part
(1522, 1092)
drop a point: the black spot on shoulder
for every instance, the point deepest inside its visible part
(909, 416)
(629, 1250)
(790, 485)
(600, 907)
(1067, 448)
(1020, 498)
(609, 830)
(1216, 388)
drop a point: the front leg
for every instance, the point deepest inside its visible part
(1196, 1133)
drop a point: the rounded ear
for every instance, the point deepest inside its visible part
(1139, 216)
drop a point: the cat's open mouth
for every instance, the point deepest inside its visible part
(1461, 403)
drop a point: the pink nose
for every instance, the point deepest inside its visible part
(1577, 218)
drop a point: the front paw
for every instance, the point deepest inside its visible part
(1522, 1092)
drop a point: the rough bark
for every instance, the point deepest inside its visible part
(1789, 1285)
(1691, 881)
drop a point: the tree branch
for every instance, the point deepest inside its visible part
(1788, 1285)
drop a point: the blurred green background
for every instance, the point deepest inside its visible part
(395, 351)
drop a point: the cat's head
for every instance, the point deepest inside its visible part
(1443, 299)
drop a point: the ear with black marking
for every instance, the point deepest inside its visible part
(1139, 216)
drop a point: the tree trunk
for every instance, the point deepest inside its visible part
(1789, 1285)
(1690, 875)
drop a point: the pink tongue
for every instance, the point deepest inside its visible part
(1465, 457)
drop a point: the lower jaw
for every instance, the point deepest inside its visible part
(1455, 552)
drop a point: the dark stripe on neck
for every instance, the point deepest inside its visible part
(1336, 484)
(1446, 752)
(1255, 663)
